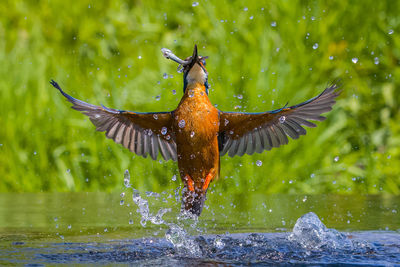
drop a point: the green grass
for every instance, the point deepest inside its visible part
(109, 52)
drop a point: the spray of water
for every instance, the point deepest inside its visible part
(177, 233)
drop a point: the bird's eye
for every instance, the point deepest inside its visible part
(203, 60)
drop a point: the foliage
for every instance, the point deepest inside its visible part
(261, 55)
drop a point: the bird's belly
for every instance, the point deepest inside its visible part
(196, 133)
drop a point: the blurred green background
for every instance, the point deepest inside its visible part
(261, 55)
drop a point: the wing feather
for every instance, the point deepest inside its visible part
(256, 132)
(141, 133)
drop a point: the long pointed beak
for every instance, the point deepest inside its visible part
(194, 56)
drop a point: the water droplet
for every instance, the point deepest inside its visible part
(173, 178)
(240, 96)
(165, 75)
(273, 24)
(336, 159)
(181, 123)
(155, 116)
(105, 230)
(252, 17)
(68, 170)
(127, 179)
(376, 60)
(218, 243)
(139, 57)
(259, 163)
(245, 9)
(34, 153)
(330, 57)
(282, 119)
(192, 134)
(312, 175)
(391, 31)
(158, 97)
(355, 60)
(304, 198)
(130, 221)
(195, 4)
(315, 46)
(191, 93)
(129, 66)
(173, 92)
(122, 194)
(164, 130)
(55, 219)
(334, 182)
(69, 226)
(122, 202)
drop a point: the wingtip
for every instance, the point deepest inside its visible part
(336, 84)
(55, 84)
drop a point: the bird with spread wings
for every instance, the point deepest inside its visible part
(196, 134)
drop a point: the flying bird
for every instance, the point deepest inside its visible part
(196, 134)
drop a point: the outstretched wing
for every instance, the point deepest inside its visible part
(141, 133)
(242, 133)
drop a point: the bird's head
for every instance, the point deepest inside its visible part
(194, 70)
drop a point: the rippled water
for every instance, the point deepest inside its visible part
(310, 242)
(146, 229)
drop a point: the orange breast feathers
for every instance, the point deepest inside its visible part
(196, 126)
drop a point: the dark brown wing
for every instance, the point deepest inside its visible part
(141, 133)
(242, 133)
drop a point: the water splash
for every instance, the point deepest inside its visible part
(312, 234)
(183, 243)
(309, 239)
(178, 231)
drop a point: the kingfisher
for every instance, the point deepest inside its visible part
(196, 134)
